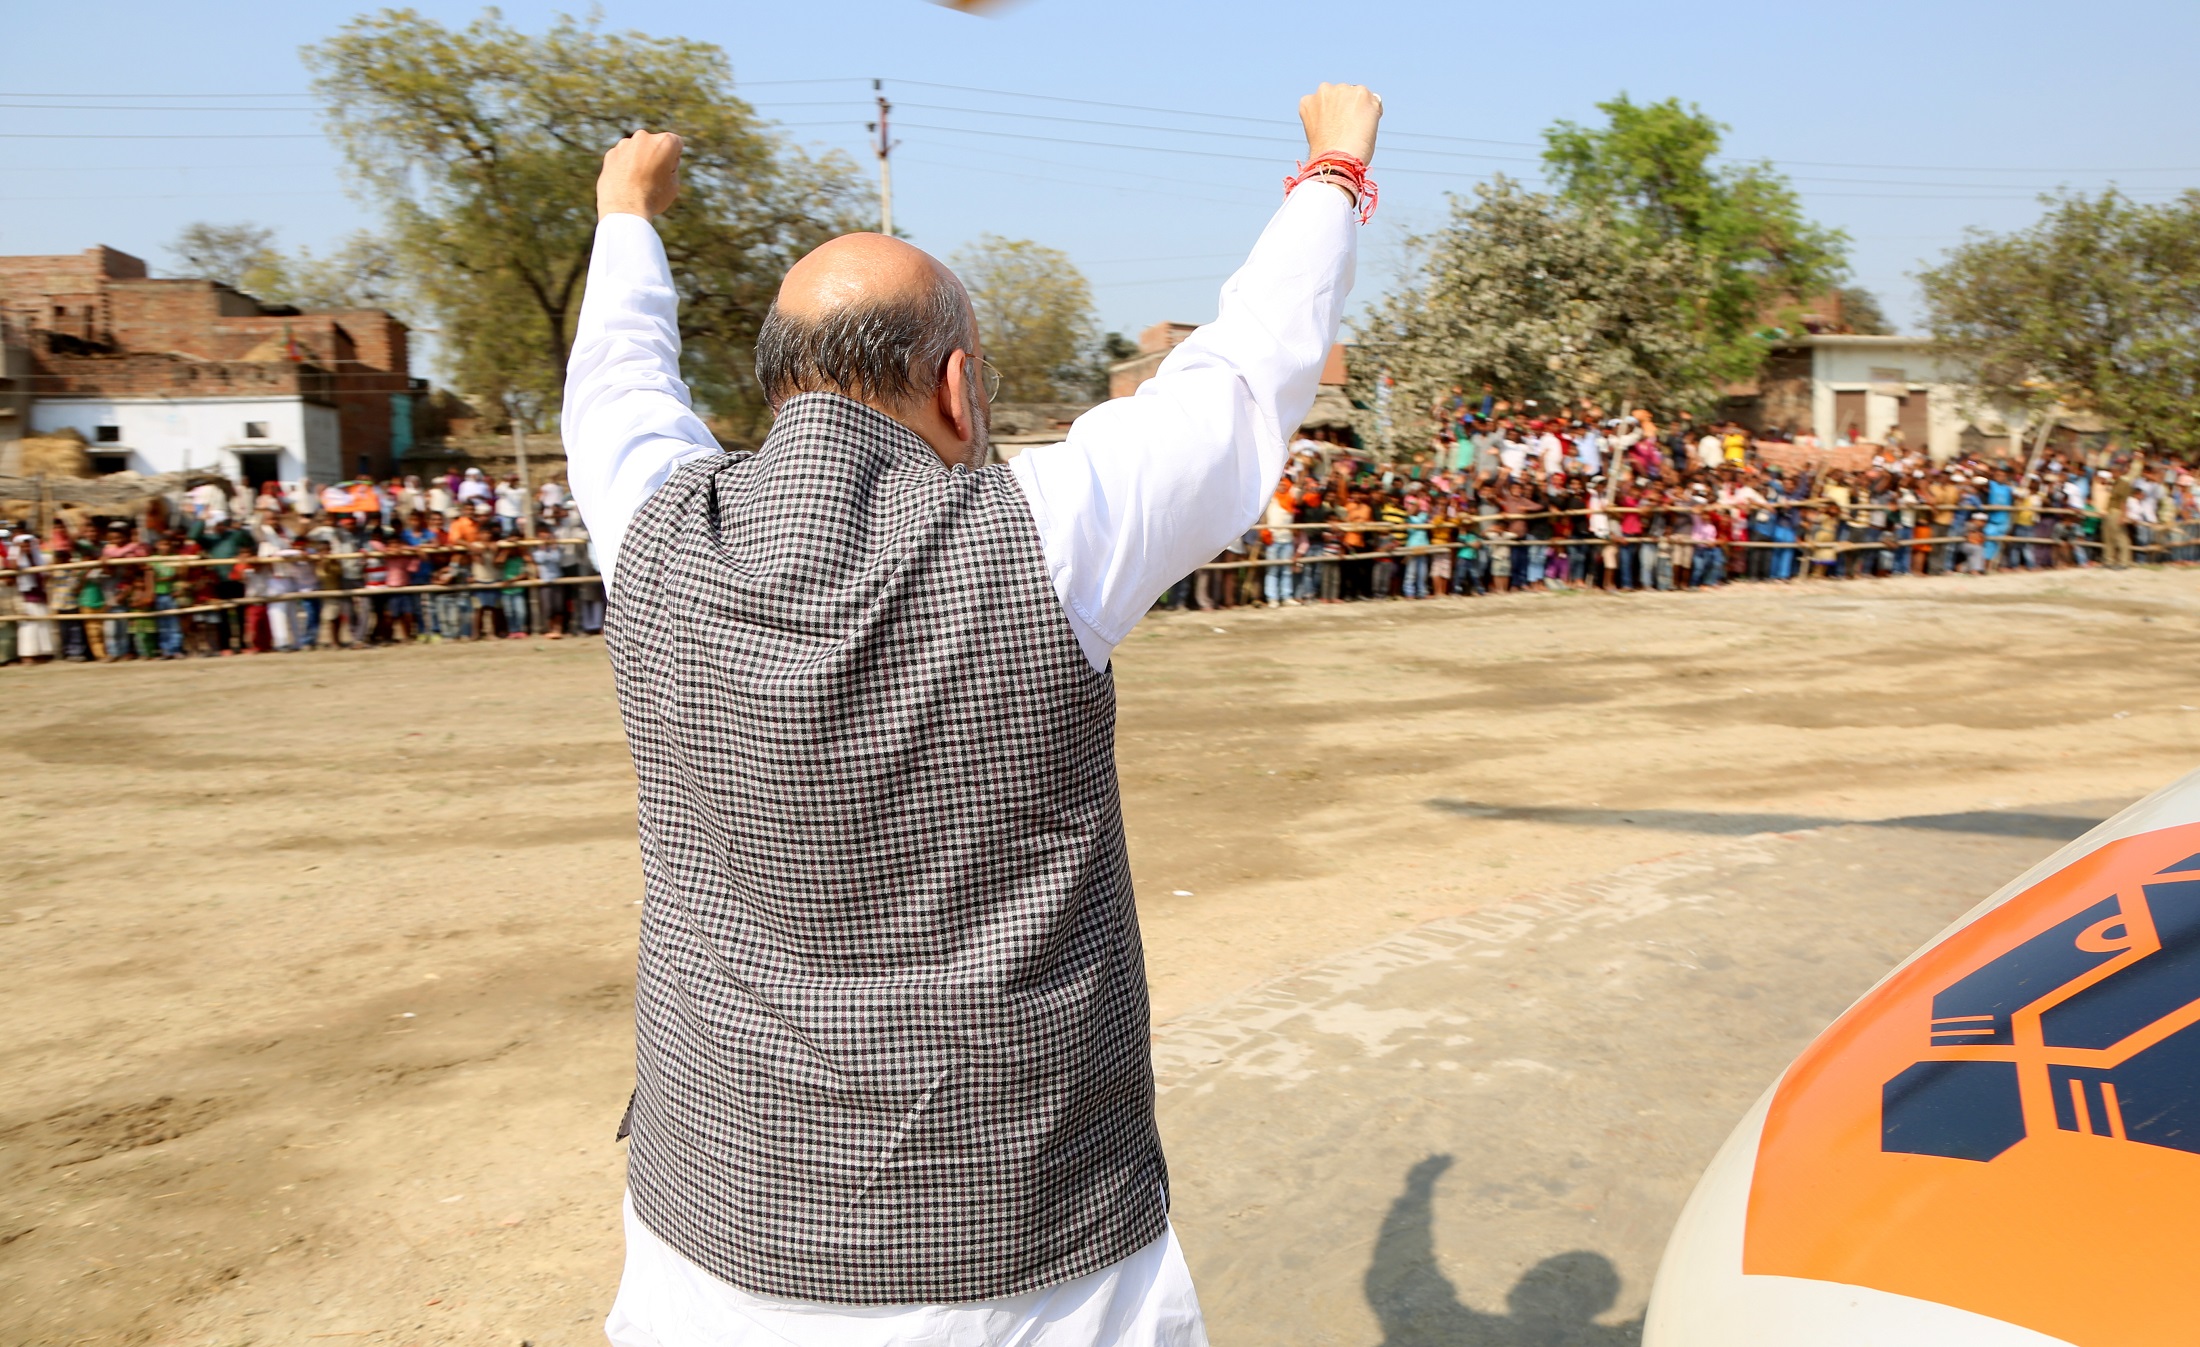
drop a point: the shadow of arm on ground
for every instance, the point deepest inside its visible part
(1554, 1304)
(1990, 822)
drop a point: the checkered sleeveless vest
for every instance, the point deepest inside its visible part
(891, 1008)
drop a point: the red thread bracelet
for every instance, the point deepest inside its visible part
(1341, 165)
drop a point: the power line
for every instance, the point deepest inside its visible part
(163, 196)
(1448, 154)
(1067, 182)
(1456, 176)
(1187, 112)
(148, 107)
(1420, 172)
(1954, 196)
(1968, 186)
(1211, 278)
(153, 168)
(1094, 144)
(1154, 149)
(1178, 130)
(136, 102)
(1138, 176)
(1187, 257)
(165, 135)
(1958, 168)
(71, 93)
(1087, 121)
(1389, 134)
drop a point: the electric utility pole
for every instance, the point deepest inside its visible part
(522, 409)
(883, 149)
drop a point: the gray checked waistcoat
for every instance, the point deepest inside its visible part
(891, 1008)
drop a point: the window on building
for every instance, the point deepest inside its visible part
(255, 430)
(102, 464)
(107, 434)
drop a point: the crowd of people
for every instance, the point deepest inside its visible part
(455, 558)
(1502, 503)
(1509, 503)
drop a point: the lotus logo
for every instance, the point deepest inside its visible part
(2091, 1022)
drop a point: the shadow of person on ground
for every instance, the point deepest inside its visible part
(1554, 1304)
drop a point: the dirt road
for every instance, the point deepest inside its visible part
(317, 1015)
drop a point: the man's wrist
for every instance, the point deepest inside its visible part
(1340, 182)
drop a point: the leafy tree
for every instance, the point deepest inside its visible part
(2095, 308)
(362, 272)
(1540, 298)
(1035, 316)
(239, 255)
(1860, 311)
(1651, 164)
(482, 145)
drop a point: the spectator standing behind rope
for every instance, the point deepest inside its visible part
(891, 1009)
(2115, 529)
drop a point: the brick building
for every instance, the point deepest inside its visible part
(1154, 345)
(1331, 417)
(160, 375)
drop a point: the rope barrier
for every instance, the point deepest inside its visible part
(259, 600)
(1852, 512)
(1643, 540)
(1822, 550)
(187, 562)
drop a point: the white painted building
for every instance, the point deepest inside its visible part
(1864, 388)
(247, 439)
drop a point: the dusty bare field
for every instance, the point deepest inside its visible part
(316, 1015)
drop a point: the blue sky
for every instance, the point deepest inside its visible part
(1155, 144)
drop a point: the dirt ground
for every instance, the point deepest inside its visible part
(316, 1022)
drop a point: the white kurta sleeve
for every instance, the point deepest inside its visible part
(1147, 487)
(628, 421)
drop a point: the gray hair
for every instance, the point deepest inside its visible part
(882, 351)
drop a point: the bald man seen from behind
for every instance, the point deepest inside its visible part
(892, 1082)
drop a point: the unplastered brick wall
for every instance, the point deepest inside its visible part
(182, 316)
(150, 375)
(64, 292)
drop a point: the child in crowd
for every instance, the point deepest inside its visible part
(1824, 527)
(91, 597)
(328, 573)
(138, 598)
(513, 597)
(484, 571)
(453, 607)
(1974, 545)
(1467, 568)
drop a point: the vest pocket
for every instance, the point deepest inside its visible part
(909, 1121)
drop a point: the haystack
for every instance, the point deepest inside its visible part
(59, 454)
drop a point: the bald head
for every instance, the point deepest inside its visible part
(866, 316)
(858, 269)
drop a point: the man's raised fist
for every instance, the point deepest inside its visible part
(1340, 119)
(641, 175)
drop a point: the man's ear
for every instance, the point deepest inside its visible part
(951, 397)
